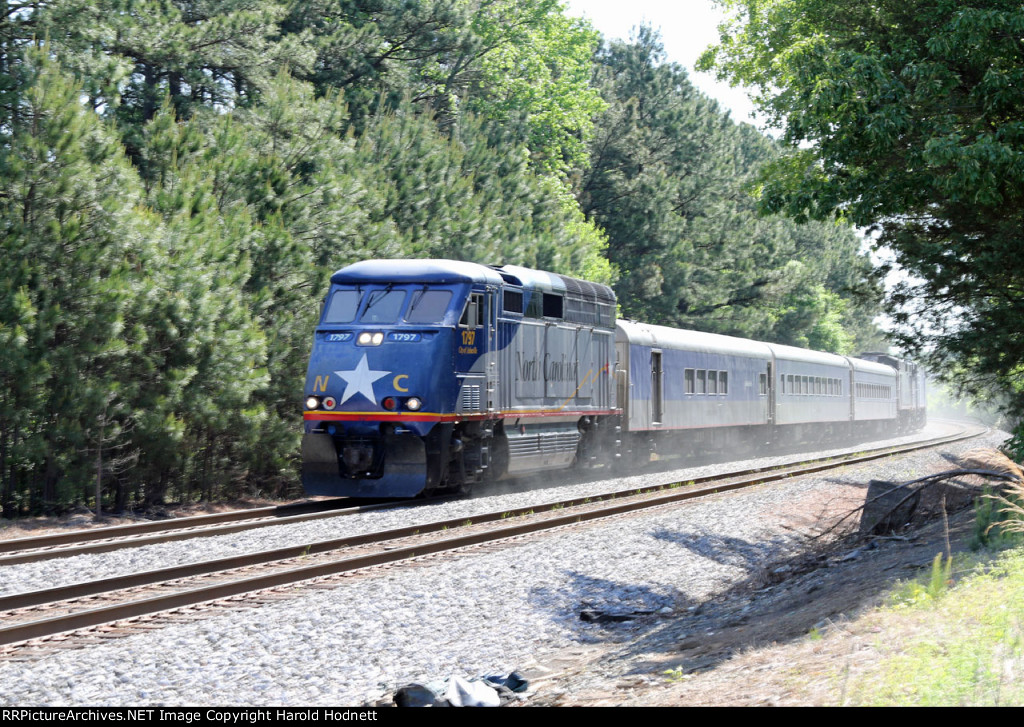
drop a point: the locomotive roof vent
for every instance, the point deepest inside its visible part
(507, 277)
(587, 289)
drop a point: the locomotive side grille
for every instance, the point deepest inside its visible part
(469, 397)
(542, 448)
(533, 444)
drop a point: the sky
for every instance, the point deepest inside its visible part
(687, 27)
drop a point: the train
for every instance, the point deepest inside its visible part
(430, 376)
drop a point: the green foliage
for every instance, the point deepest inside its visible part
(929, 590)
(70, 242)
(994, 526)
(676, 674)
(905, 117)
(962, 649)
(668, 183)
(519, 62)
(469, 196)
(538, 69)
(179, 179)
(1014, 447)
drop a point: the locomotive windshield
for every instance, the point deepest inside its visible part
(343, 306)
(428, 306)
(384, 305)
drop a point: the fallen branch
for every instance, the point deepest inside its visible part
(913, 489)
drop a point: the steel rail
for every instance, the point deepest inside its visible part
(548, 516)
(24, 550)
(132, 580)
(113, 531)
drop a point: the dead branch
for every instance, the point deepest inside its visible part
(913, 489)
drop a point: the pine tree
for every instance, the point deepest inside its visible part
(71, 243)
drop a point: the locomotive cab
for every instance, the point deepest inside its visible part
(403, 350)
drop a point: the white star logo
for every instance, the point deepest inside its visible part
(360, 381)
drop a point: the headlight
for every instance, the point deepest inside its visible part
(312, 402)
(369, 338)
(413, 403)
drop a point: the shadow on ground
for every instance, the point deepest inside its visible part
(783, 598)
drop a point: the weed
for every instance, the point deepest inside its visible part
(676, 674)
(467, 523)
(998, 519)
(917, 593)
(940, 578)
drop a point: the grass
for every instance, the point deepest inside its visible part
(947, 644)
(957, 643)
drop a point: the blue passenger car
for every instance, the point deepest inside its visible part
(812, 394)
(428, 375)
(689, 391)
(910, 387)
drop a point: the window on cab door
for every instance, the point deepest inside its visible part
(473, 313)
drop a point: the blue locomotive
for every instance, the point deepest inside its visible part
(434, 374)
(431, 375)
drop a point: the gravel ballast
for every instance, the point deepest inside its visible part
(485, 611)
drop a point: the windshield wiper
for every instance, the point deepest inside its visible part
(372, 299)
(416, 298)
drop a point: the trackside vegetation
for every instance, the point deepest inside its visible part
(960, 644)
(905, 117)
(178, 179)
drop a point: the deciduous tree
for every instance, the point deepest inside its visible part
(906, 117)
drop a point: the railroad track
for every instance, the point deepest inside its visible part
(107, 539)
(42, 614)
